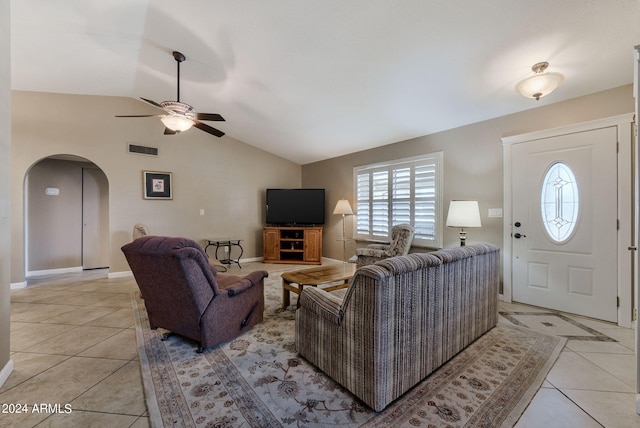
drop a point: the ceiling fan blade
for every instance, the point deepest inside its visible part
(207, 128)
(153, 103)
(210, 116)
(168, 131)
(140, 115)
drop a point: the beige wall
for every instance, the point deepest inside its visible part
(227, 178)
(472, 162)
(5, 189)
(223, 176)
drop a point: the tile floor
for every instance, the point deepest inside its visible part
(592, 384)
(73, 343)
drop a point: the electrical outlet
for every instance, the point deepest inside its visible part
(226, 250)
(635, 314)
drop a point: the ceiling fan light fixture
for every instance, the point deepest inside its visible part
(177, 123)
(541, 83)
(179, 116)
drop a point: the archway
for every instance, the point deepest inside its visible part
(66, 216)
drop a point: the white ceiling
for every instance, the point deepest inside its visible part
(310, 80)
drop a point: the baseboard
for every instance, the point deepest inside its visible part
(5, 372)
(128, 273)
(122, 274)
(59, 271)
(233, 262)
(252, 259)
(18, 285)
(334, 260)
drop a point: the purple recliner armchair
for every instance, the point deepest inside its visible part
(184, 294)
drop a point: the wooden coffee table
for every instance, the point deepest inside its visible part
(297, 279)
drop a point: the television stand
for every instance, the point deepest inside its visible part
(292, 244)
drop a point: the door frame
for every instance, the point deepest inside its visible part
(81, 160)
(99, 255)
(626, 205)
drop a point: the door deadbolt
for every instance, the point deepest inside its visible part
(517, 224)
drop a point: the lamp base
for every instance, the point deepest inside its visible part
(463, 237)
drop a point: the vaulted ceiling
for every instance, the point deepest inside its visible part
(310, 80)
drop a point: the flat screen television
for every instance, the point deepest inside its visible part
(301, 207)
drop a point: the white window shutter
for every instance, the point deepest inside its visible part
(403, 191)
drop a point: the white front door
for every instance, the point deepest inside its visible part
(564, 223)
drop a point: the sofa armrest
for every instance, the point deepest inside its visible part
(246, 282)
(378, 246)
(322, 304)
(239, 287)
(256, 276)
(373, 252)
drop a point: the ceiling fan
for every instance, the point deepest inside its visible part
(179, 116)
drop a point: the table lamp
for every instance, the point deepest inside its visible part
(463, 214)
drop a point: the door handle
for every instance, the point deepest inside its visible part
(518, 235)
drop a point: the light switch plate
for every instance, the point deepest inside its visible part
(495, 212)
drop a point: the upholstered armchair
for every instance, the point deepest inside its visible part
(184, 294)
(139, 230)
(401, 239)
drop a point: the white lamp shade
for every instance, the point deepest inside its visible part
(464, 214)
(177, 123)
(539, 85)
(343, 207)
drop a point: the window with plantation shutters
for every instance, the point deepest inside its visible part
(401, 191)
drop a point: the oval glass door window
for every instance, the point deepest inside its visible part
(559, 202)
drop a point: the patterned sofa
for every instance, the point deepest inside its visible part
(400, 319)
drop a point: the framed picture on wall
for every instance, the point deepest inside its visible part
(157, 185)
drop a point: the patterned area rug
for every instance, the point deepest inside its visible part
(258, 380)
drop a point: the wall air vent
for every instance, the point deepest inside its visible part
(152, 151)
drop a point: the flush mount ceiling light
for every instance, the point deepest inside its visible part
(541, 83)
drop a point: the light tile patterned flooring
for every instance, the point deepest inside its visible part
(73, 342)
